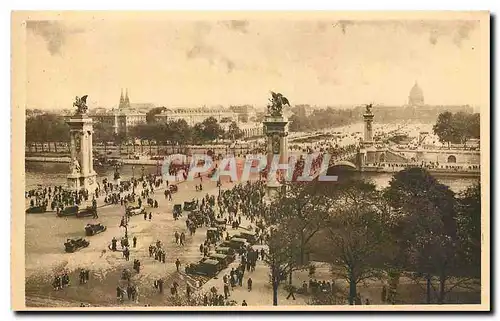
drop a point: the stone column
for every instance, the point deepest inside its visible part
(91, 158)
(368, 130)
(72, 145)
(85, 164)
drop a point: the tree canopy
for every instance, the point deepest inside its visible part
(457, 128)
(46, 128)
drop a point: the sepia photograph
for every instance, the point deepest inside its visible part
(250, 161)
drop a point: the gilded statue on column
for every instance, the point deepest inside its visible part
(81, 105)
(277, 101)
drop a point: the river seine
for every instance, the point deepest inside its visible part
(55, 174)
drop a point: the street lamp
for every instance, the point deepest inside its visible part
(133, 173)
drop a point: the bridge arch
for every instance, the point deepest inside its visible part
(452, 159)
(344, 164)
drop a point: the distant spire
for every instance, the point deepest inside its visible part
(127, 101)
(121, 99)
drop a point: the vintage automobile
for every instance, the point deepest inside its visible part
(73, 245)
(135, 210)
(220, 222)
(227, 251)
(212, 233)
(76, 211)
(190, 206)
(93, 229)
(223, 259)
(173, 188)
(205, 267)
(235, 243)
(249, 236)
(37, 209)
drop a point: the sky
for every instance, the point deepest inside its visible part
(181, 63)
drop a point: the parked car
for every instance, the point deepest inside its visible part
(205, 267)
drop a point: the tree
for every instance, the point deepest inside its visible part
(302, 211)
(427, 229)
(357, 235)
(46, 128)
(207, 130)
(444, 127)
(234, 132)
(457, 128)
(469, 228)
(281, 256)
(150, 116)
(181, 132)
(103, 132)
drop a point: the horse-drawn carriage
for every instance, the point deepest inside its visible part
(190, 206)
(73, 245)
(76, 211)
(37, 209)
(93, 229)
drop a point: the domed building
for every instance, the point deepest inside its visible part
(416, 97)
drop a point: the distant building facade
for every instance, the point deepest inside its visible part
(197, 115)
(123, 118)
(415, 109)
(246, 113)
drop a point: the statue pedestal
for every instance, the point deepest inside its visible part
(80, 181)
(82, 174)
(276, 130)
(272, 190)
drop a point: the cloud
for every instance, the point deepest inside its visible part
(207, 52)
(463, 32)
(433, 36)
(237, 25)
(343, 24)
(54, 33)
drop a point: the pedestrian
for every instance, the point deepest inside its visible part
(134, 240)
(244, 303)
(182, 238)
(291, 292)
(150, 216)
(119, 294)
(188, 291)
(145, 216)
(226, 290)
(136, 294)
(160, 285)
(249, 283)
(367, 302)
(384, 294)
(177, 264)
